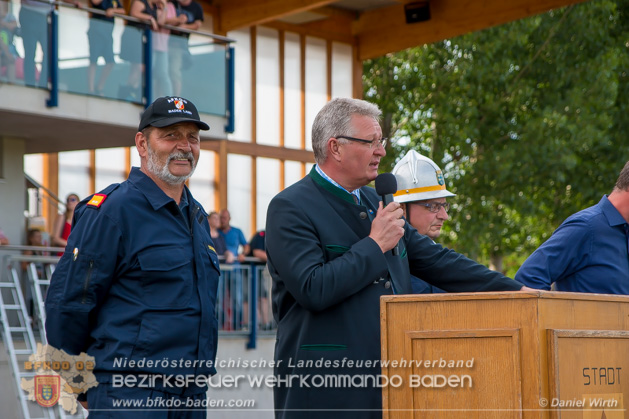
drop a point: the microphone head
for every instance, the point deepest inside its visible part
(386, 184)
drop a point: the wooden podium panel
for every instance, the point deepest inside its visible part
(486, 389)
(601, 358)
(505, 355)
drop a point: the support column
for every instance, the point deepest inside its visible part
(50, 181)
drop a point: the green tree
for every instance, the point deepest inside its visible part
(527, 121)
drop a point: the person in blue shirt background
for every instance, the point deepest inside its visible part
(139, 277)
(588, 252)
(234, 283)
(234, 237)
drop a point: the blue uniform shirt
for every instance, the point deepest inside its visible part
(587, 253)
(138, 281)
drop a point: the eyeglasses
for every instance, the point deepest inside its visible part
(434, 206)
(372, 143)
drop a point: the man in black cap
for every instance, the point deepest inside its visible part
(136, 286)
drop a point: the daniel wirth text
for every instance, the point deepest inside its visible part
(593, 402)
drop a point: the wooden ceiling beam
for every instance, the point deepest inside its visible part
(235, 14)
(259, 150)
(337, 28)
(324, 29)
(385, 30)
(271, 152)
(335, 12)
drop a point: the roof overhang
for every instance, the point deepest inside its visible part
(375, 27)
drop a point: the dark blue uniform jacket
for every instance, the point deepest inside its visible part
(137, 281)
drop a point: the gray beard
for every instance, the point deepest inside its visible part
(161, 171)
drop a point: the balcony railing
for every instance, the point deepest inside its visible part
(147, 69)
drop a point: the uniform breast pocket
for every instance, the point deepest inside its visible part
(212, 271)
(213, 258)
(167, 277)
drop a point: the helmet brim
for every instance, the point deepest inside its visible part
(423, 196)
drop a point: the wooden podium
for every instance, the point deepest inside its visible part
(505, 355)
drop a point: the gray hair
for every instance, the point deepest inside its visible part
(623, 180)
(335, 119)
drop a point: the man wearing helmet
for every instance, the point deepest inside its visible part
(422, 193)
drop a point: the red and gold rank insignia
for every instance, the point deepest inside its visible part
(97, 200)
(47, 389)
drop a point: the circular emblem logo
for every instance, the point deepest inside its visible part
(440, 178)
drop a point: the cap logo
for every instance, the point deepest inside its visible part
(179, 104)
(440, 179)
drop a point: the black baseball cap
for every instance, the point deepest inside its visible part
(170, 110)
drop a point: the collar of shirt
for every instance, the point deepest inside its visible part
(355, 192)
(156, 197)
(614, 218)
(183, 202)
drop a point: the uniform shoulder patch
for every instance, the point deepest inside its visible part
(97, 200)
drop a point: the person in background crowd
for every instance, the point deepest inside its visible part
(589, 251)
(422, 193)
(219, 241)
(234, 281)
(139, 277)
(224, 309)
(234, 238)
(35, 30)
(179, 52)
(257, 249)
(35, 237)
(101, 41)
(162, 84)
(63, 224)
(152, 12)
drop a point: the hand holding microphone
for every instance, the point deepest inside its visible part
(388, 227)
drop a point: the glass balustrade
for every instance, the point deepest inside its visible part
(58, 46)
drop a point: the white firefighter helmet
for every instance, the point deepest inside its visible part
(418, 178)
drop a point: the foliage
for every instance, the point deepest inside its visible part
(527, 120)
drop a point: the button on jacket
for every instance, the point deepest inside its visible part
(138, 281)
